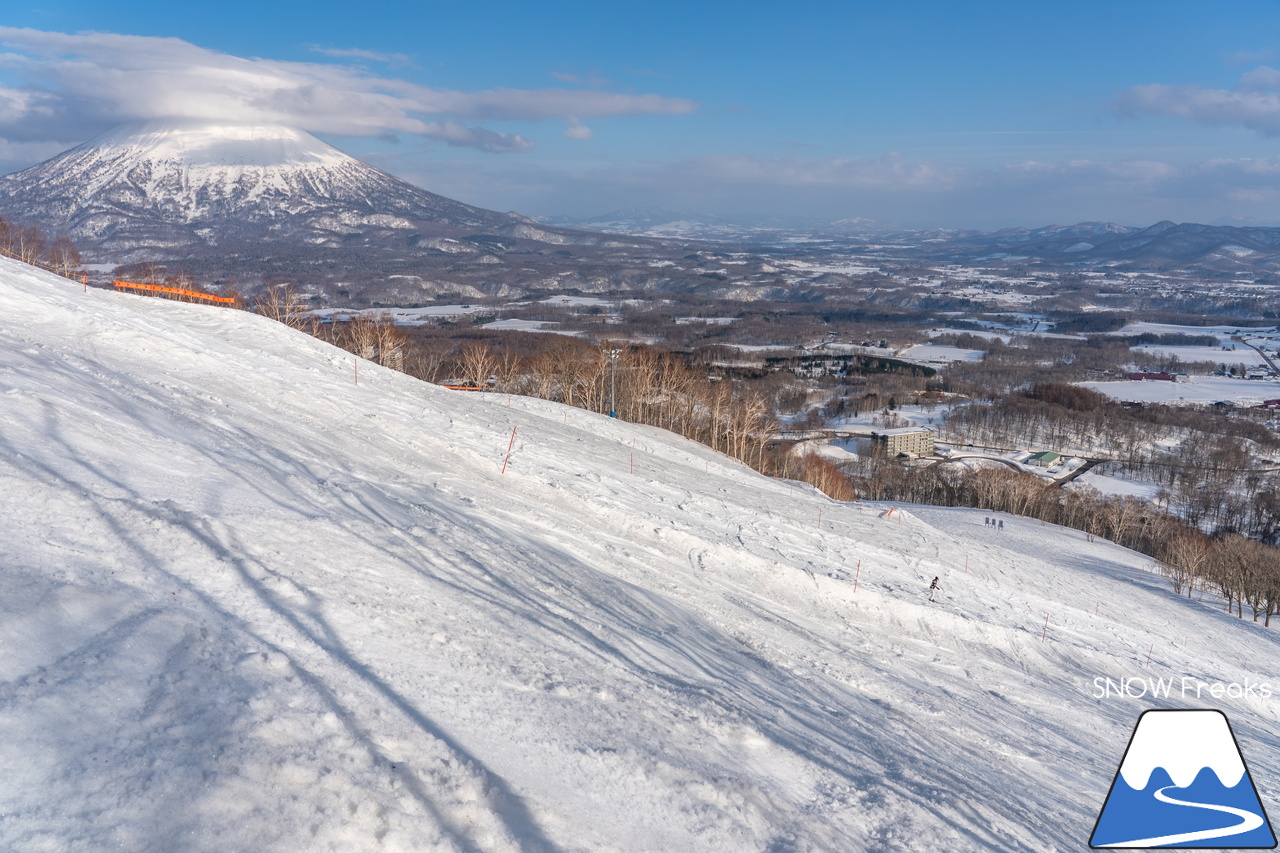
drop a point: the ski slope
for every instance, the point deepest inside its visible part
(247, 604)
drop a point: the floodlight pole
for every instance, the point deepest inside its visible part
(613, 385)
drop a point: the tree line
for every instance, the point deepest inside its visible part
(1213, 470)
(1240, 569)
(30, 244)
(643, 384)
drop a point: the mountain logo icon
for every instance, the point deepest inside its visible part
(1183, 783)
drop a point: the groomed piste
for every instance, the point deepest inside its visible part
(249, 604)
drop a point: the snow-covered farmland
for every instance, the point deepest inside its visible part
(939, 354)
(249, 604)
(1199, 390)
(1237, 354)
(1223, 333)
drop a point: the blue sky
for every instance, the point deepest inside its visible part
(925, 114)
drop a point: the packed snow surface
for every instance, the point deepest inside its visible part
(249, 604)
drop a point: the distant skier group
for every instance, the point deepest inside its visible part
(995, 523)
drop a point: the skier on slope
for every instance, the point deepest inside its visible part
(933, 587)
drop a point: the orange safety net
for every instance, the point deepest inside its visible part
(195, 294)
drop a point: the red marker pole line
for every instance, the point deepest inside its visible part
(510, 445)
(1045, 632)
(1149, 651)
(857, 574)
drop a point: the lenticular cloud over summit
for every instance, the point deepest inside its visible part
(103, 78)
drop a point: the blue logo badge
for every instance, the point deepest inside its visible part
(1183, 783)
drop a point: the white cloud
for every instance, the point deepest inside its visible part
(577, 130)
(1254, 103)
(74, 81)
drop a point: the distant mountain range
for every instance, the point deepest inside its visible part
(255, 204)
(1108, 242)
(661, 223)
(1230, 245)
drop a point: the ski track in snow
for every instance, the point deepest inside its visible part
(250, 605)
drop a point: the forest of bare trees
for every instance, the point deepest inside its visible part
(649, 385)
(30, 244)
(1213, 470)
(1242, 570)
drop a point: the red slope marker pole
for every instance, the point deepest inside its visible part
(1149, 651)
(510, 445)
(355, 364)
(1045, 633)
(856, 575)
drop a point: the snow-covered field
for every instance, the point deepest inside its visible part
(248, 604)
(1239, 354)
(515, 325)
(939, 354)
(990, 336)
(1224, 333)
(1201, 389)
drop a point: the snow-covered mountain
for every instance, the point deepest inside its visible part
(247, 603)
(172, 184)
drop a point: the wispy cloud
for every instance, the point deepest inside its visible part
(593, 79)
(1254, 103)
(360, 53)
(70, 82)
(1249, 57)
(577, 130)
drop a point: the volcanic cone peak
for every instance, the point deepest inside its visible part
(201, 174)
